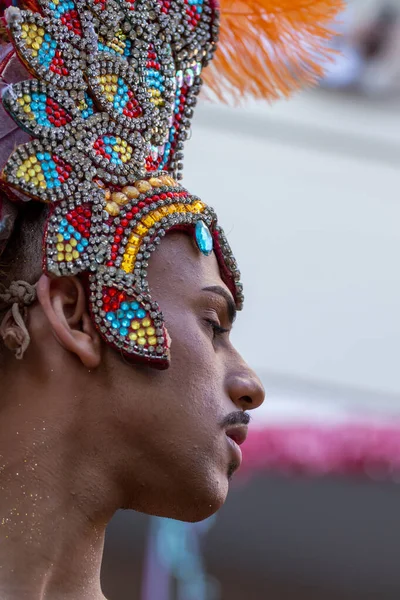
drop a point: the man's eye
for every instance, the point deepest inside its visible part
(216, 328)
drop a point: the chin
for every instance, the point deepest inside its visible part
(194, 504)
(204, 502)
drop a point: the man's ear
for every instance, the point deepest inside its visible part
(63, 301)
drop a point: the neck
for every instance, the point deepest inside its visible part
(52, 513)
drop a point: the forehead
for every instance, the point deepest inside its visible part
(178, 269)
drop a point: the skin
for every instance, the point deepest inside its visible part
(84, 433)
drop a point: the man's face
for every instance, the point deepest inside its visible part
(174, 451)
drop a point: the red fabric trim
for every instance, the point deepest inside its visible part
(321, 450)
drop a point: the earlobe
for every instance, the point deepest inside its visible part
(63, 301)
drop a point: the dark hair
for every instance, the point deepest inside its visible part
(22, 251)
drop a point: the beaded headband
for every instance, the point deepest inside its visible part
(109, 104)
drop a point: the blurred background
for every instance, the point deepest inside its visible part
(315, 512)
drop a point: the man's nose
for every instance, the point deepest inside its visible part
(246, 389)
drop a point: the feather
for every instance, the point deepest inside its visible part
(269, 49)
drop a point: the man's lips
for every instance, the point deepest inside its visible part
(237, 433)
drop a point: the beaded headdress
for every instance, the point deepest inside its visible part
(109, 103)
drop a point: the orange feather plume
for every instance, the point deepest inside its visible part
(269, 49)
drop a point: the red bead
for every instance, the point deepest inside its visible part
(124, 222)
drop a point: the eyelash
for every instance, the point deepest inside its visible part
(216, 327)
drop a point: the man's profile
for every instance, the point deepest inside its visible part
(120, 386)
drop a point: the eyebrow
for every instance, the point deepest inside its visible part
(220, 291)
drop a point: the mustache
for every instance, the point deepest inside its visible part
(236, 418)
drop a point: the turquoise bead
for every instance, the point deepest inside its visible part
(203, 238)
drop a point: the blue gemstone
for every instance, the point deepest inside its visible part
(125, 306)
(203, 238)
(141, 313)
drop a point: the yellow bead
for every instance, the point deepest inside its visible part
(128, 155)
(155, 181)
(126, 266)
(35, 45)
(35, 181)
(68, 248)
(141, 229)
(133, 337)
(41, 30)
(68, 257)
(113, 209)
(33, 159)
(146, 322)
(40, 177)
(37, 168)
(143, 186)
(20, 173)
(119, 198)
(148, 220)
(141, 341)
(135, 325)
(60, 256)
(152, 341)
(134, 239)
(156, 215)
(60, 237)
(150, 331)
(60, 247)
(27, 97)
(25, 26)
(27, 108)
(131, 250)
(75, 254)
(73, 242)
(124, 143)
(167, 180)
(198, 207)
(141, 332)
(43, 184)
(34, 53)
